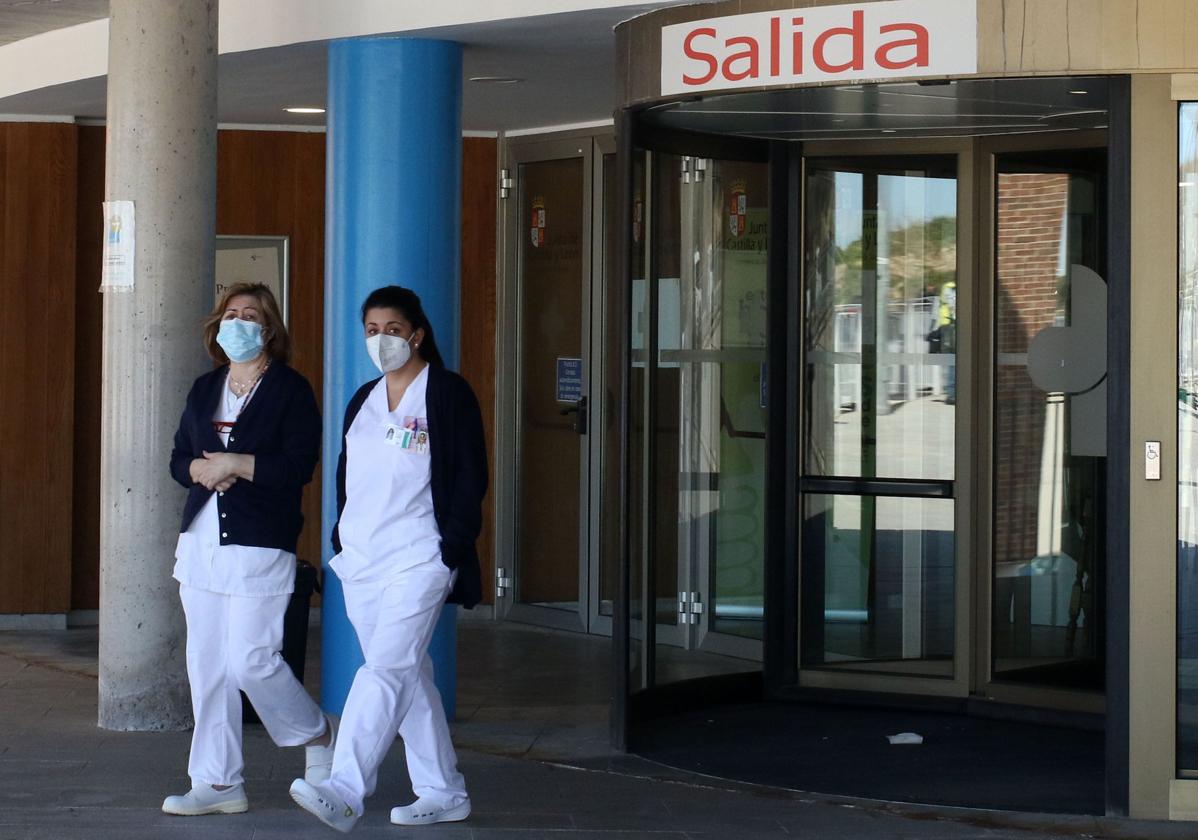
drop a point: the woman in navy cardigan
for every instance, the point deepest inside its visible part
(410, 485)
(247, 444)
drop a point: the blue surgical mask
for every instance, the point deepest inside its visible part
(241, 340)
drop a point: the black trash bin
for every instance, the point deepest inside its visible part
(295, 629)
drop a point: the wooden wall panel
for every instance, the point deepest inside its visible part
(479, 289)
(37, 299)
(89, 340)
(271, 183)
(268, 183)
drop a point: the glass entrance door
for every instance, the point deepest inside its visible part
(1046, 580)
(715, 359)
(949, 417)
(554, 567)
(548, 242)
(884, 291)
(698, 409)
(551, 442)
(910, 581)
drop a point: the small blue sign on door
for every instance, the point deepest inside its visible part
(569, 380)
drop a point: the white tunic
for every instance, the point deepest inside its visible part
(388, 525)
(203, 563)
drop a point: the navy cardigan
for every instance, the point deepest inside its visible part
(280, 427)
(458, 448)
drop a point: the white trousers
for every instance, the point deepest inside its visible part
(233, 643)
(393, 691)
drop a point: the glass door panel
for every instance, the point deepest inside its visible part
(879, 578)
(1049, 419)
(1187, 446)
(561, 385)
(664, 385)
(881, 271)
(653, 433)
(698, 341)
(887, 598)
(551, 530)
(723, 406)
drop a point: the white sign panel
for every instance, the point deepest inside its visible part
(119, 238)
(895, 39)
(253, 259)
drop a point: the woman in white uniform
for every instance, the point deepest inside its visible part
(411, 480)
(247, 444)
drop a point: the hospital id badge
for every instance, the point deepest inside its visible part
(397, 436)
(417, 429)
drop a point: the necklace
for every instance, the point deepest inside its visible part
(239, 388)
(225, 427)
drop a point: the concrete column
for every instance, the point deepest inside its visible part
(161, 154)
(393, 216)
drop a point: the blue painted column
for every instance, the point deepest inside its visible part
(393, 208)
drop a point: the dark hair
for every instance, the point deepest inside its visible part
(406, 303)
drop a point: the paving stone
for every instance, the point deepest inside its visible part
(62, 778)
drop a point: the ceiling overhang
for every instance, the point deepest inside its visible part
(273, 56)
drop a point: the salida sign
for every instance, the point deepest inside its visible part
(850, 42)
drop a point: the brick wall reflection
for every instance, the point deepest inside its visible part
(1031, 210)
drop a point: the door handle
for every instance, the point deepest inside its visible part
(580, 409)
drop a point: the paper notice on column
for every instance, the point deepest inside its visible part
(119, 238)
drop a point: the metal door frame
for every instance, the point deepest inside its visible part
(964, 489)
(590, 147)
(600, 322)
(518, 151)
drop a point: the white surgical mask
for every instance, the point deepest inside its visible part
(388, 352)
